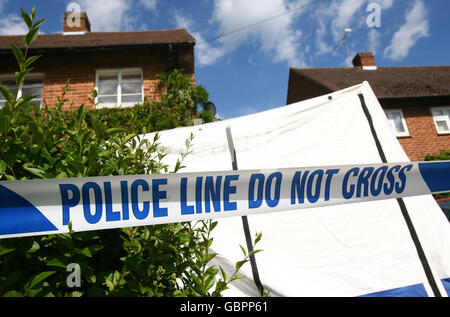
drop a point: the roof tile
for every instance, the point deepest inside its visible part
(101, 39)
(386, 82)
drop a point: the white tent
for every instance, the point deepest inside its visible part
(372, 248)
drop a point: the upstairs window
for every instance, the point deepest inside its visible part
(120, 87)
(397, 122)
(33, 85)
(441, 118)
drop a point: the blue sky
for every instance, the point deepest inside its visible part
(243, 61)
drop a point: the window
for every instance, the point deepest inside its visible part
(121, 87)
(33, 85)
(441, 118)
(397, 122)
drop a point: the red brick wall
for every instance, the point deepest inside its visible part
(80, 68)
(423, 138)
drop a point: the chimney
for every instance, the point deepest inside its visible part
(76, 22)
(364, 60)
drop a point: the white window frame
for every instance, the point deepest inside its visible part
(119, 72)
(33, 76)
(440, 118)
(392, 125)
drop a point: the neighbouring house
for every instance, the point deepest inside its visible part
(121, 66)
(416, 99)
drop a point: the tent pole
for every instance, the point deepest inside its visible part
(404, 210)
(244, 219)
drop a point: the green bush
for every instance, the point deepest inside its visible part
(444, 155)
(177, 107)
(160, 260)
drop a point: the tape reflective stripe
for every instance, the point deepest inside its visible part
(91, 203)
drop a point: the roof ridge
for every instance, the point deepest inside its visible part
(357, 68)
(107, 32)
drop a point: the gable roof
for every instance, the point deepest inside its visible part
(101, 39)
(386, 82)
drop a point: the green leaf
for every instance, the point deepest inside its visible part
(24, 99)
(78, 166)
(31, 36)
(4, 250)
(31, 60)
(77, 294)
(128, 138)
(224, 275)
(243, 250)
(38, 23)
(209, 257)
(5, 124)
(98, 126)
(86, 252)
(41, 277)
(2, 166)
(93, 249)
(13, 294)
(112, 131)
(26, 18)
(33, 13)
(57, 262)
(209, 283)
(237, 277)
(7, 94)
(18, 54)
(258, 237)
(240, 263)
(37, 172)
(20, 76)
(212, 225)
(34, 247)
(254, 252)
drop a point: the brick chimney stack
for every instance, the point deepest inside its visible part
(76, 22)
(364, 60)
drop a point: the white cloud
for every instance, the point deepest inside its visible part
(149, 4)
(241, 21)
(385, 4)
(374, 40)
(205, 54)
(332, 19)
(415, 28)
(344, 16)
(12, 25)
(108, 15)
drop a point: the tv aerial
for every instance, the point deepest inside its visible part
(344, 39)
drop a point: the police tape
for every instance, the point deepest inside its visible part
(47, 206)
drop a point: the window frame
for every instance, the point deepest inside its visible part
(118, 72)
(393, 128)
(30, 76)
(435, 117)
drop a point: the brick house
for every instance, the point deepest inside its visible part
(122, 66)
(416, 99)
